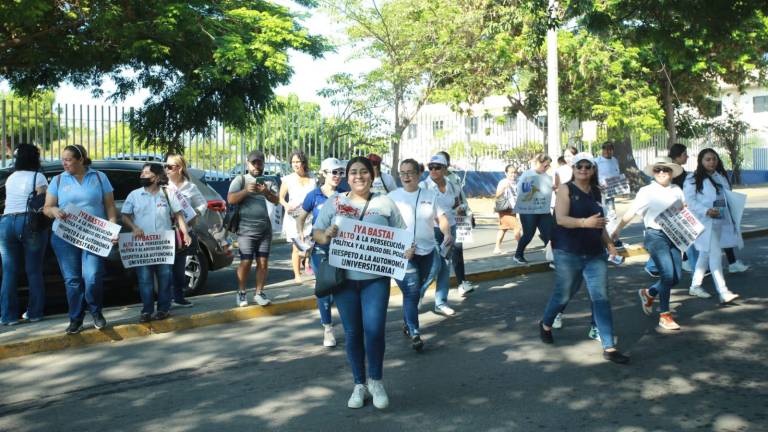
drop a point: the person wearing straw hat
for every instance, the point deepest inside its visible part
(651, 201)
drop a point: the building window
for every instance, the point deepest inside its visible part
(437, 126)
(760, 104)
(718, 109)
(510, 123)
(472, 124)
(412, 130)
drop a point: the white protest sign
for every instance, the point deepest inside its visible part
(534, 195)
(615, 186)
(87, 231)
(186, 208)
(149, 249)
(680, 225)
(275, 213)
(464, 229)
(370, 248)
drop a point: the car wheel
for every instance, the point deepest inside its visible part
(196, 272)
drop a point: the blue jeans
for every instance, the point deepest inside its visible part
(691, 254)
(570, 271)
(443, 271)
(416, 277)
(363, 309)
(83, 274)
(323, 303)
(146, 274)
(530, 223)
(17, 243)
(668, 260)
(179, 277)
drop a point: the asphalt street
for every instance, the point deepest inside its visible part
(482, 370)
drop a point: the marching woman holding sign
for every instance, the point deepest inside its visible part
(579, 241)
(651, 201)
(534, 196)
(329, 178)
(179, 184)
(419, 210)
(151, 210)
(19, 241)
(363, 297)
(83, 271)
(706, 194)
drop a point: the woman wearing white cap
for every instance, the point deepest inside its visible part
(328, 180)
(651, 201)
(706, 192)
(579, 240)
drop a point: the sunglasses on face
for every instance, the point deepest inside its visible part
(435, 167)
(657, 170)
(337, 172)
(586, 166)
(170, 167)
(407, 173)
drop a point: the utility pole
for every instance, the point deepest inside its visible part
(553, 99)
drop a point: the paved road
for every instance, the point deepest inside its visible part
(483, 370)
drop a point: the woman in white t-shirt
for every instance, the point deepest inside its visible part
(17, 242)
(419, 209)
(650, 202)
(293, 190)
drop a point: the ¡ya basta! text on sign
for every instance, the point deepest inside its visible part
(87, 231)
(149, 249)
(370, 248)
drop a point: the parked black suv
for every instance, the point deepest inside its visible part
(214, 250)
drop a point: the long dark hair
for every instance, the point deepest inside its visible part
(159, 171)
(363, 160)
(303, 158)
(700, 174)
(27, 158)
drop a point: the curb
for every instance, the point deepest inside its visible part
(122, 332)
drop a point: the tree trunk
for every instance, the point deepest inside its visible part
(399, 128)
(669, 112)
(627, 164)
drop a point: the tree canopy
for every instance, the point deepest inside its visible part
(202, 61)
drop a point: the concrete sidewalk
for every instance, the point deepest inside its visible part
(287, 297)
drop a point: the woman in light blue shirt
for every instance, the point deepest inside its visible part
(83, 271)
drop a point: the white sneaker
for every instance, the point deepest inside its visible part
(686, 266)
(498, 252)
(698, 291)
(444, 309)
(242, 299)
(380, 398)
(329, 340)
(728, 297)
(465, 288)
(357, 399)
(558, 322)
(737, 267)
(261, 299)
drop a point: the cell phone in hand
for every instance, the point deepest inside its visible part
(260, 179)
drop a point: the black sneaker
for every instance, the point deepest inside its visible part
(616, 357)
(98, 321)
(160, 315)
(520, 260)
(406, 332)
(74, 327)
(416, 343)
(145, 318)
(184, 303)
(545, 335)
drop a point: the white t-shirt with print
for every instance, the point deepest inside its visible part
(422, 219)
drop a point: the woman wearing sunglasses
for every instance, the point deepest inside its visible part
(187, 193)
(579, 240)
(328, 180)
(650, 202)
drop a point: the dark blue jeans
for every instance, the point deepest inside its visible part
(17, 243)
(457, 259)
(668, 261)
(416, 277)
(363, 309)
(442, 270)
(146, 275)
(531, 222)
(323, 303)
(570, 271)
(179, 277)
(83, 274)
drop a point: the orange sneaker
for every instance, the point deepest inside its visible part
(666, 322)
(646, 301)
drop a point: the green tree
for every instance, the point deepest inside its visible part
(31, 120)
(202, 61)
(729, 130)
(474, 150)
